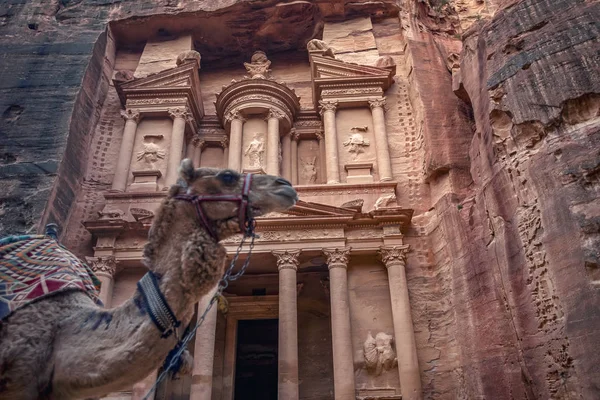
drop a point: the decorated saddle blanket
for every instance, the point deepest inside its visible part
(35, 266)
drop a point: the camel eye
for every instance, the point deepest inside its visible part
(228, 178)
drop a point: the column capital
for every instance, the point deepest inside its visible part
(224, 143)
(294, 134)
(198, 142)
(394, 255)
(234, 114)
(287, 259)
(377, 103)
(328, 105)
(131, 115)
(337, 257)
(179, 112)
(320, 135)
(273, 113)
(106, 266)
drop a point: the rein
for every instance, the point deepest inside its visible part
(247, 226)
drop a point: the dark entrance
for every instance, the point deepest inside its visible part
(256, 360)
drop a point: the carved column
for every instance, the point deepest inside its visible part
(286, 152)
(394, 259)
(381, 142)
(132, 117)
(104, 268)
(198, 147)
(328, 108)
(225, 145)
(191, 149)
(343, 362)
(204, 352)
(287, 263)
(294, 156)
(273, 142)
(180, 115)
(235, 140)
(322, 157)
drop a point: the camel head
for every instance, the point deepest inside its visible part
(267, 193)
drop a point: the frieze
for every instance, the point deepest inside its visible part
(364, 234)
(291, 235)
(342, 92)
(333, 192)
(140, 102)
(308, 124)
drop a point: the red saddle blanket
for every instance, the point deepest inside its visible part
(35, 266)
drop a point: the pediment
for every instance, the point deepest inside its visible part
(168, 87)
(308, 209)
(330, 68)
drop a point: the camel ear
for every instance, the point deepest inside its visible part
(186, 170)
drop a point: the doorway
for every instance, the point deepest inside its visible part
(256, 359)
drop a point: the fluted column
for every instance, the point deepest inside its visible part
(273, 142)
(322, 157)
(104, 268)
(235, 140)
(132, 117)
(341, 334)
(328, 108)
(204, 352)
(286, 150)
(394, 259)
(381, 143)
(180, 116)
(287, 263)
(294, 156)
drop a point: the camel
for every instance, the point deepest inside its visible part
(66, 347)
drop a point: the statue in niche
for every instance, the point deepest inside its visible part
(309, 169)
(379, 354)
(255, 152)
(151, 152)
(258, 67)
(356, 143)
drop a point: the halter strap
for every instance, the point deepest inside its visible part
(243, 199)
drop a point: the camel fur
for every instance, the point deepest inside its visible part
(66, 347)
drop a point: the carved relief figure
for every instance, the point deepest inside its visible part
(151, 152)
(258, 67)
(255, 152)
(379, 354)
(309, 169)
(320, 45)
(356, 144)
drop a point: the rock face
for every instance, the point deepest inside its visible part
(499, 102)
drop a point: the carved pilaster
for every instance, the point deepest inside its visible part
(103, 265)
(224, 143)
(131, 115)
(287, 259)
(337, 257)
(394, 256)
(327, 105)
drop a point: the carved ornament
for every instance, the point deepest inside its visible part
(255, 152)
(273, 113)
(320, 135)
(386, 201)
(308, 124)
(316, 45)
(287, 259)
(224, 143)
(394, 255)
(308, 170)
(379, 354)
(377, 103)
(131, 115)
(258, 67)
(198, 143)
(291, 235)
(234, 114)
(189, 55)
(179, 112)
(103, 265)
(141, 214)
(156, 101)
(337, 257)
(327, 105)
(345, 92)
(356, 144)
(151, 152)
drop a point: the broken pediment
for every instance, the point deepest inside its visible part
(347, 82)
(173, 87)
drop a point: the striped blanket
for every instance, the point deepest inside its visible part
(35, 266)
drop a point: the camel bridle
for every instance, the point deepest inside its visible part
(246, 220)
